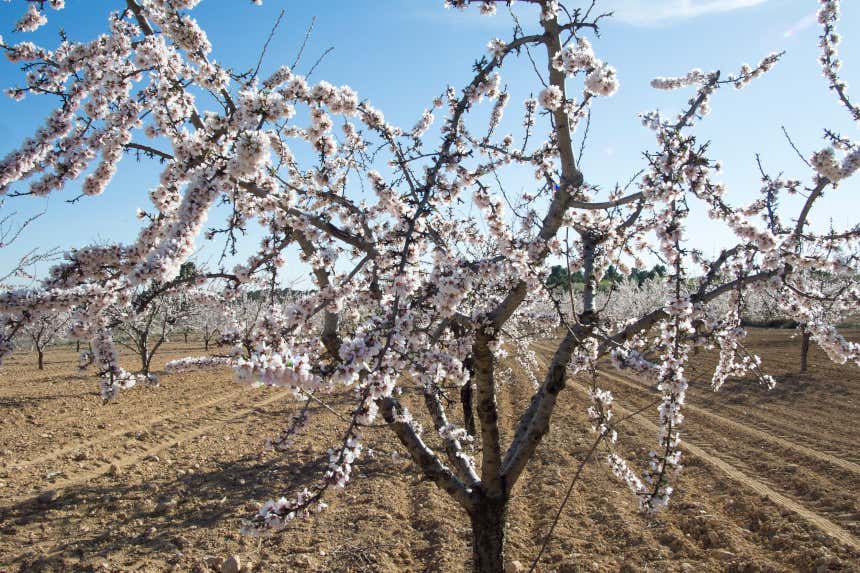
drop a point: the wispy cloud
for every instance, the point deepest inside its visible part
(654, 12)
(802, 24)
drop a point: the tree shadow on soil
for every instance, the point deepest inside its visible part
(20, 402)
(149, 516)
(150, 520)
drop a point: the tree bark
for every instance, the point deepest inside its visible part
(144, 361)
(488, 535)
(468, 411)
(78, 346)
(41, 359)
(804, 351)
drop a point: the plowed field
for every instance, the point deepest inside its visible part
(160, 479)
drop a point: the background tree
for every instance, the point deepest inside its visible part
(44, 331)
(209, 315)
(144, 332)
(11, 229)
(837, 295)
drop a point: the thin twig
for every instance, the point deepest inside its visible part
(793, 146)
(319, 60)
(304, 42)
(266, 45)
(584, 137)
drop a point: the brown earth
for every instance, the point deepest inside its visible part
(160, 479)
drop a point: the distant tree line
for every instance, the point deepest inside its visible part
(561, 277)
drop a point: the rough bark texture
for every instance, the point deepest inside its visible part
(144, 369)
(804, 352)
(488, 414)
(468, 411)
(41, 359)
(488, 535)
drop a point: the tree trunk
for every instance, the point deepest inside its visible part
(804, 351)
(488, 536)
(144, 361)
(78, 346)
(468, 411)
(205, 344)
(185, 333)
(466, 393)
(41, 359)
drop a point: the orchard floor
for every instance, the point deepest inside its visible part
(160, 479)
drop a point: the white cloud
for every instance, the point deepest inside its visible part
(652, 12)
(806, 22)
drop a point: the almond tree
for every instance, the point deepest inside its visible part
(414, 294)
(837, 295)
(630, 299)
(237, 316)
(11, 229)
(44, 331)
(145, 331)
(208, 316)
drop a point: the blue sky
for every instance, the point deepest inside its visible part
(401, 53)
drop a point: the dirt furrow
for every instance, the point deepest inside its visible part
(844, 464)
(785, 422)
(763, 426)
(138, 423)
(178, 510)
(757, 486)
(187, 431)
(818, 485)
(783, 501)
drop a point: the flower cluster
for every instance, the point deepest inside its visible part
(276, 367)
(600, 413)
(497, 47)
(551, 98)
(600, 79)
(828, 17)
(827, 165)
(197, 362)
(32, 20)
(693, 77)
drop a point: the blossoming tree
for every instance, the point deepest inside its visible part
(44, 332)
(144, 331)
(207, 315)
(413, 291)
(836, 293)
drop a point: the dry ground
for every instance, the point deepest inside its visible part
(159, 480)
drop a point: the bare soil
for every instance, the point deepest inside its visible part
(160, 479)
